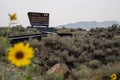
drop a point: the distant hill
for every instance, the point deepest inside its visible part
(88, 25)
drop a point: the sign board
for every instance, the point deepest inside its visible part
(39, 19)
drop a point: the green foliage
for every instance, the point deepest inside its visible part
(0, 77)
(56, 77)
(94, 64)
(16, 75)
(17, 30)
(82, 72)
(4, 45)
(28, 77)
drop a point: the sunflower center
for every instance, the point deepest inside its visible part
(19, 55)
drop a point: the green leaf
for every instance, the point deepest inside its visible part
(28, 77)
(4, 45)
(36, 61)
(16, 75)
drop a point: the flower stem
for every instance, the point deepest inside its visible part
(26, 70)
(8, 29)
(3, 71)
(26, 73)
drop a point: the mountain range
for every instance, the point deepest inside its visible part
(88, 25)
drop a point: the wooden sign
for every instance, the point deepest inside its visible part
(39, 19)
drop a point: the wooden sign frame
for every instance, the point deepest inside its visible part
(38, 19)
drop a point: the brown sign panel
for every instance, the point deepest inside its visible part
(39, 19)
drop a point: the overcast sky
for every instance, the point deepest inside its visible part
(61, 11)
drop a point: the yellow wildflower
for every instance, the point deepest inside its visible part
(113, 77)
(20, 54)
(13, 17)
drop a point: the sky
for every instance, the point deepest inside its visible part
(61, 11)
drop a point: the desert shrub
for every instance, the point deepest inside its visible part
(96, 75)
(84, 57)
(82, 72)
(36, 69)
(71, 47)
(98, 54)
(31, 31)
(70, 61)
(112, 58)
(56, 77)
(116, 37)
(94, 64)
(3, 31)
(108, 50)
(108, 70)
(79, 37)
(53, 60)
(34, 43)
(53, 77)
(17, 31)
(68, 41)
(54, 42)
(64, 54)
(64, 30)
(18, 28)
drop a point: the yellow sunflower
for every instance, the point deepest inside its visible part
(13, 17)
(113, 77)
(21, 54)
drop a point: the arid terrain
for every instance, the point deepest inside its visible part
(87, 55)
